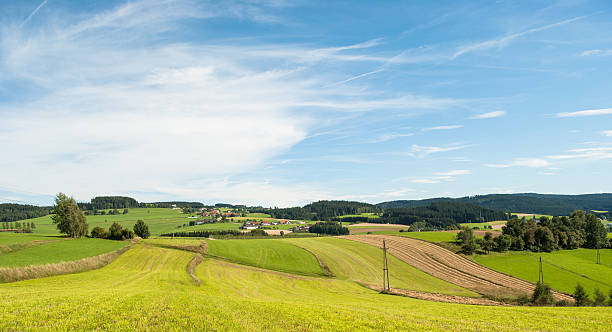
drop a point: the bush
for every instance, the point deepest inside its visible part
(580, 296)
(141, 229)
(523, 299)
(562, 303)
(99, 233)
(126, 234)
(542, 295)
(599, 299)
(610, 299)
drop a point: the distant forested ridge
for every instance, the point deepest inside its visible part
(109, 202)
(322, 210)
(13, 212)
(440, 214)
(556, 205)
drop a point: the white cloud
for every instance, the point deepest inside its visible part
(439, 177)
(607, 133)
(505, 40)
(419, 150)
(489, 115)
(443, 127)
(388, 137)
(585, 154)
(523, 162)
(597, 52)
(602, 111)
(121, 111)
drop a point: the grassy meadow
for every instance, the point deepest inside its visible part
(268, 254)
(148, 288)
(562, 269)
(59, 251)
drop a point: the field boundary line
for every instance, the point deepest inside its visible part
(47, 270)
(576, 273)
(437, 297)
(319, 259)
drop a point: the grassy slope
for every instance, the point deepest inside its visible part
(60, 251)
(269, 254)
(147, 288)
(360, 262)
(570, 266)
(427, 236)
(22, 238)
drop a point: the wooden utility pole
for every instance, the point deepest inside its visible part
(541, 274)
(598, 257)
(385, 268)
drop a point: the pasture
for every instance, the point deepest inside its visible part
(59, 251)
(148, 288)
(268, 254)
(562, 269)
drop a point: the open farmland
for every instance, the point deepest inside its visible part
(148, 288)
(267, 253)
(351, 260)
(59, 251)
(451, 267)
(562, 269)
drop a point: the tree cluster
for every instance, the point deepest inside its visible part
(109, 202)
(321, 210)
(547, 234)
(329, 228)
(599, 299)
(13, 212)
(115, 232)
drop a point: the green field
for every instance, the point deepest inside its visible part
(481, 225)
(277, 255)
(59, 251)
(147, 288)
(562, 269)
(427, 236)
(360, 262)
(160, 221)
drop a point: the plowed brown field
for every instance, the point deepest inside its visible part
(446, 265)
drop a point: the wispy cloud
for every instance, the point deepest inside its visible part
(357, 77)
(607, 133)
(503, 41)
(440, 177)
(523, 162)
(585, 154)
(388, 137)
(597, 53)
(443, 127)
(489, 115)
(601, 111)
(419, 150)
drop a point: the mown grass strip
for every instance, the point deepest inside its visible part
(41, 271)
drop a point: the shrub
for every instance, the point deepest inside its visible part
(599, 298)
(562, 303)
(99, 232)
(610, 299)
(126, 234)
(115, 232)
(542, 295)
(580, 296)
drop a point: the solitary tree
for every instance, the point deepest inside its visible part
(467, 240)
(542, 294)
(599, 298)
(115, 231)
(68, 217)
(141, 229)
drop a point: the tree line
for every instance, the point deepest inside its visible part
(19, 227)
(13, 212)
(321, 210)
(329, 228)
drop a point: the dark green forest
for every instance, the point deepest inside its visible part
(321, 210)
(556, 205)
(13, 212)
(440, 215)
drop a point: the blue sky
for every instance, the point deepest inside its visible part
(280, 103)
